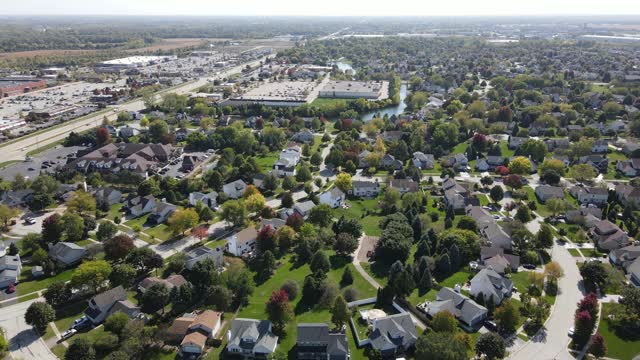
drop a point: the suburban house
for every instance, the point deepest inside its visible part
(630, 168)
(364, 188)
(388, 161)
(243, 242)
(209, 200)
(315, 342)
(334, 197)
(489, 163)
(141, 205)
(66, 253)
(304, 208)
(235, 189)
(390, 136)
(287, 162)
(404, 185)
(189, 162)
(458, 161)
(590, 195)
(109, 302)
(423, 161)
(458, 196)
(362, 159)
(587, 216)
(546, 192)
(16, 198)
(633, 271)
(251, 338)
(109, 196)
(303, 136)
(496, 259)
(600, 146)
(195, 329)
(173, 281)
(480, 215)
(161, 212)
(203, 252)
(10, 268)
(491, 284)
(135, 158)
(608, 235)
(624, 256)
(275, 223)
(628, 194)
(467, 311)
(515, 142)
(598, 162)
(393, 335)
(496, 236)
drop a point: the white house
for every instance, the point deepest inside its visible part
(251, 338)
(365, 188)
(242, 242)
(234, 189)
(334, 197)
(209, 200)
(10, 267)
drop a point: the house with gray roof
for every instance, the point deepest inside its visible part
(161, 212)
(423, 161)
(304, 208)
(496, 259)
(108, 195)
(608, 236)
(104, 304)
(393, 335)
(243, 242)
(251, 338)
(590, 195)
(624, 256)
(491, 284)
(467, 311)
(333, 197)
(586, 216)
(10, 268)
(496, 236)
(633, 270)
(364, 188)
(316, 342)
(209, 200)
(388, 161)
(546, 192)
(203, 252)
(599, 162)
(234, 189)
(141, 205)
(67, 253)
(16, 198)
(404, 185)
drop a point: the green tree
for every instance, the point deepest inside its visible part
(82, 203)
(154, 298)
(440, 346)
(345, 244)
(39, 315)
(320, 262)
(520, 165)
(182, 219)
(122, 274)
(343, 182)
(582, 172)
(57, 294)
(116, 323)
(496, 193)
(279, 310)
(523, 214)
(106, 230)
(73, 226)
(340, 313)
(444, 321)
(234, 212)
(91, 274)
(507, 316)
(158, 130)
(491, 345)
(6, 214)
(544, 237)
(321, 215)
(118, 247)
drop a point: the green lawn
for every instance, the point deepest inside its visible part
(266, 162)
(618, 347)
(140, 221)
(484, 200)
(365, 212)
(615, 280)
(521, 281)
(217, 243)
(115, 211)
(460, 148)
(461, 278)
(327, 103)
(67, 315)
(504, 149)
(30, 286)
(541, 208)
(160, 232)
(287, 271)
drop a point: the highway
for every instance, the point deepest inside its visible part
(18, 150)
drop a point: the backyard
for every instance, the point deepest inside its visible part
(618, 347)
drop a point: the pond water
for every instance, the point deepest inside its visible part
(392, 110)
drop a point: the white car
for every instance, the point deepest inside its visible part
(572, 331)
(67, 334)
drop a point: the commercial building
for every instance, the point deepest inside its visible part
(15, 86)
(372, 90)
(117, 65)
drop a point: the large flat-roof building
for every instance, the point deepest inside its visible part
(15, 86)
(130, 62)
(278, 93)
(372, 90)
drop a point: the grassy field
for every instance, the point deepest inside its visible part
(29, 286)
(287, 271)
(115, 211)
(266, 162)
(160, 232)
(504, 149)
(617, 347)
(520, 281)
(324, 103)
(364, 211)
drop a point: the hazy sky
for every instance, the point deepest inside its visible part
(321, 7)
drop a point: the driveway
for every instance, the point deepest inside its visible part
(24, 343)
(552, 341)
(21, 228)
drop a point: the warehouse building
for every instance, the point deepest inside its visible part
(372, 90)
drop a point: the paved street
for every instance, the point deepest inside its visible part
(553, 340)
(24, 343)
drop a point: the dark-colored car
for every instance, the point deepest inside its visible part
(529, 266)
(11, 289)
(490, 325)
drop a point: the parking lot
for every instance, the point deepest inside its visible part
(174, 168)
(53, 157)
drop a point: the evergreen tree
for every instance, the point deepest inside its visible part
(455, 258)
(443, 266)
(347, 277)
(417, 229)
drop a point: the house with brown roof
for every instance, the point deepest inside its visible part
(171, 282)
(195, 330)
(243, 242)
(608, 235)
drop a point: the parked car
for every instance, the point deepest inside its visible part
(529, 266)
(490, 325)
(69, 333)
(572, 331)
(30, 221)
(81, 323)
